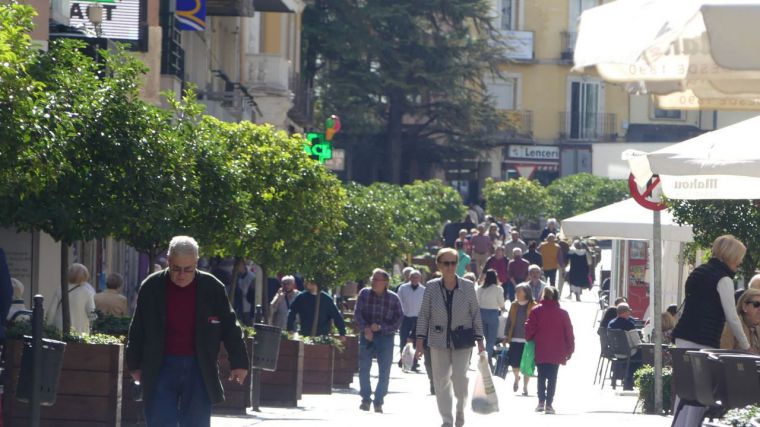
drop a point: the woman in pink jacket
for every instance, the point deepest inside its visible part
(549, 327)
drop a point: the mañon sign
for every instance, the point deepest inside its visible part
(121, 19)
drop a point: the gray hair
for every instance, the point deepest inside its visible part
(382, 272)
(516, 250)
(534, 267)
(77, 274)
(287, 279)
(183, 246)
(114, 281)
(415, 272)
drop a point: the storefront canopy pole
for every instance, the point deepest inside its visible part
(657, 310)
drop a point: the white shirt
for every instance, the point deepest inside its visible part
(490, 298)
(411, 299)
(81, 305)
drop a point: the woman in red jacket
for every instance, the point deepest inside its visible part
(550, 328)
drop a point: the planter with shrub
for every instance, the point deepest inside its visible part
(644, 380)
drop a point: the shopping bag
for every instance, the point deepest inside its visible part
(502, 363)
(500, 332)
(484, 400)
(407, 357)
(528, 361)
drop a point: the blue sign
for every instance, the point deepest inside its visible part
(191, 15)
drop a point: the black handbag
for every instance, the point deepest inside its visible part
(461, 337)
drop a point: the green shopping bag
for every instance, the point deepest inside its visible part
(528, 360)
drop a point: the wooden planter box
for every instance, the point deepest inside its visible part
(237, 397)
(318, 375)
(284, 386)
(89, 391)
(346, 363)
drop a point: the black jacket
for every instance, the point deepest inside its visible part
(703, 318)
(145, 344)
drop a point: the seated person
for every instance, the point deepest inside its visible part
(611, 313)
(624, 322)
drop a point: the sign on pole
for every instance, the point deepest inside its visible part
(649, 196)
(316, 147)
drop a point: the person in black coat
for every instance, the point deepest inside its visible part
(533, 256)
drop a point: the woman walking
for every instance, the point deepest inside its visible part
(550, 328)
(449, 320)
(491, 302)
(708, 306)
(515, 332)
(579, 269)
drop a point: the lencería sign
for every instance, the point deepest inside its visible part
(534, 152)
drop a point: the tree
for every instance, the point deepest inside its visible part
(432, 203)
(516, 199)
(406, 76)
(712, 218)
(575, 194)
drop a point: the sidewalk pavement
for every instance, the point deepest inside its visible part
(577, 400)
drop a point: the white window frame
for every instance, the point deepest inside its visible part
(572, 24)
(569, 97)
(517, 77)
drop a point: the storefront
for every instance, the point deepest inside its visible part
(539, 162)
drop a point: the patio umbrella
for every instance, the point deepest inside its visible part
(721, 164)
(700, 50)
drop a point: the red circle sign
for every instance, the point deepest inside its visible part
(645, 198)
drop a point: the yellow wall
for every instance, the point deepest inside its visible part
(271, 33)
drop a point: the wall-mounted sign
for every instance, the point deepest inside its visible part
(121, 19)
(191, 15)
(338, 161)
(519, 45)
(533, 152)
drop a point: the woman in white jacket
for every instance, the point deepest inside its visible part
(81, 302)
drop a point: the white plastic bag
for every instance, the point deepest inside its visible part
(407, 357)
(502, 326)
(484, 400)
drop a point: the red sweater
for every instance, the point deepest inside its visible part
(550, 328)
(180, 319)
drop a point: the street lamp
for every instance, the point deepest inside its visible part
(95, 15)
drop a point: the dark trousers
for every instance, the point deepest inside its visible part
(547, 382)
(407, 329)
(551, 276)
(180, 398)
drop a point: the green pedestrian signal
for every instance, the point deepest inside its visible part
(316, 147)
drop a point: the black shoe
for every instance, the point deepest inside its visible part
(400, 365)
(364, 406)
(379, 408)
(432, 389)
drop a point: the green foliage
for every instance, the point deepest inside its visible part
(94, 339)
(248, 331)
(111, 325)
(324, 340)
(644, 381)
(516, 199)
(19, 329)
(742, 417)
(575, 194)
(712, 218)
(378, 62)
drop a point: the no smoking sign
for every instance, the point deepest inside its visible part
(649, 196)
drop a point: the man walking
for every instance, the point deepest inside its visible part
(282, 301)
(517, 271)
(410, 294)
(378, 315)
(550, 254)
(515, 243)
(481, 249)
(182, 315)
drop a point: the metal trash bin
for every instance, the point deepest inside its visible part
(266, 346)
(51, 363)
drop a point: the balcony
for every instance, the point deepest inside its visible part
(576, 126)
(517, 125)
(568, 46)
(518, 45)
(229, 8)
(269, 74)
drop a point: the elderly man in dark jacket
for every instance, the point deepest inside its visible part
(181, 317)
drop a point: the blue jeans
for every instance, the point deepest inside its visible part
(382, 348)
(490, 319)
(180, 398)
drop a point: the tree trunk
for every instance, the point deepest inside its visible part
(316, 313)
(151, 257)
(65, 315)
(395, 121)
(233, 285)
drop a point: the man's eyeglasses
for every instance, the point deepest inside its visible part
(448, 263)
(755, 304)
(177, 269)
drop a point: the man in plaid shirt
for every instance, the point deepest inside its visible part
(378, 315)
